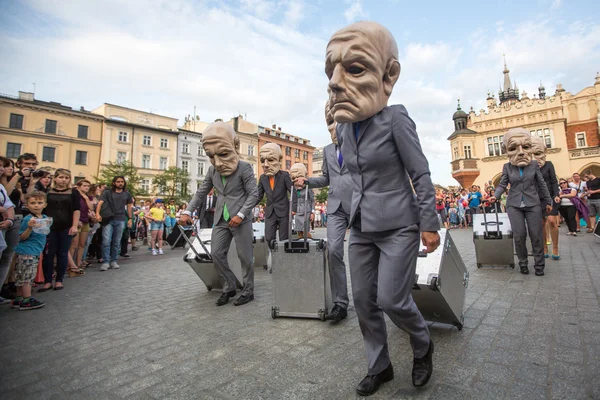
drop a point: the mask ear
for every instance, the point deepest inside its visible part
(236, 144)
(391, 75)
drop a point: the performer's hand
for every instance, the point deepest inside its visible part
(492, 199)
(431, 240)
(548, 208)
(557, 199)
(235, 221)
(293, 212)
(299, 182)
(185, 220)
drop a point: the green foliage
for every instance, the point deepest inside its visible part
(126, 169)
(173, 184)
(321, 197)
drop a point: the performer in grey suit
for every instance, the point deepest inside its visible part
(382, 152)
(336, 176)
(527, 186)
(234, 180)
(301, 209)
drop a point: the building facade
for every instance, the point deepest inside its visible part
(192, 157)
(567, 122)
(317, 162)
(149, 141)
(59, 136)
(247, 132)
(295, 149)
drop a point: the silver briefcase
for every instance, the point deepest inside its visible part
(493, 240)
(300, 280)
(441, 283)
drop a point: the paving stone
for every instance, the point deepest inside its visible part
(488, 391)
(495, 373)
(524, 391)
(564, 390)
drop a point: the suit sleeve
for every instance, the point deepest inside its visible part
(323, 180)
(294, 202)
(415, 162)
(260, 190)
(501, 188)
(249, 182)
(554, 188)
(200, 195)
(542, 184)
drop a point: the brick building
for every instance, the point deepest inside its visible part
(295, 149)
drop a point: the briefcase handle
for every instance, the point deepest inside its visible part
(289, 246)
(187, 239)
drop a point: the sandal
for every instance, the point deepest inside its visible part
(556, 256)
(590, 230)
(75, 272)
(85, 265)
(44, 288)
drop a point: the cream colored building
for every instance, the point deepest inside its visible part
(58, 135)
(317, 162)
(248, 134)
(567, 122)
(147, 140)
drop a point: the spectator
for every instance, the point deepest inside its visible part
(94, 225)
(440, 208)
(474, 199)
(110, 211)
(580, 186)
(80, 239)
(593, 198)
(170, 221)
(453, 216)
(157, 219)
(7, 220)
(63, 205)
(567, 207)
(461, 206)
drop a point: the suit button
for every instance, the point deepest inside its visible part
(359, 172)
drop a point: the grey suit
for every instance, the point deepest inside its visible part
(523, 204)
(386, 217)
(240, 194)
(338, 207)
(278, 204)
(302, 209)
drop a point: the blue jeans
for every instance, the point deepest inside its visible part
(111, 240)
(58, 245)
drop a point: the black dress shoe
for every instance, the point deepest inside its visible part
(524, 270)
(337, 313)
(371, 383)
(224, 299)
(243, 299)
(423, 367)
(539, 272)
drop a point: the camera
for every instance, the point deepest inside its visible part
(37, 174)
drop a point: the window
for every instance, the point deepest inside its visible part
(79, 178)
(201, 169)
(82, 132)
(81, 157)
(288, 164)
(16, 121)
(305, 155)
(288, 151)
(185, 148)
(145, 185)
(306, 166)
(250, 150)
(494, 146)
(147, 140)
(123, 136)
(200, 150)
(145, 161)
(121, 157)
(50, 126)
(164, 143)
(13, 150)
(456, 153)
(467, 150)
(545, 134)
(185, 165)
(297, 153)
(581, 139)
(48, 154)
(163, 163)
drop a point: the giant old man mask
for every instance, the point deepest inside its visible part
(362, 66)
(331, 124)
(221, 145)
(298, 170)
(270, 158)
(538, 150)
(517, 142)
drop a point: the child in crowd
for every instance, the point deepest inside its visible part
(34, 229)
(157, 219)
(170, 220)
(461, 206)
(453, 216)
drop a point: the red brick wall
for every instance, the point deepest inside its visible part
(591, 132)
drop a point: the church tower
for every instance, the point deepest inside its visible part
(510, 92)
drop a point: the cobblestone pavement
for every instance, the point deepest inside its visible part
(151, 331)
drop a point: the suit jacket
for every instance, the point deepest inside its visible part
(337, 178)
(203, 210)
(239, 192)
(382, 163)
(549, 175)
(528, 188)
(277, 199)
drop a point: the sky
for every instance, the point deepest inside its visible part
(265, 58)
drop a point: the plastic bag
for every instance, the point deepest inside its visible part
(42, 225)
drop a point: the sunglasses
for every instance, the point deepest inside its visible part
(562, 182)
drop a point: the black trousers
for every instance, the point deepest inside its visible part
(568, 213)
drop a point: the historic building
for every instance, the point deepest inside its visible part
(567, 122)
(295, 149)
(191, 157)
(247, 132)
(58, 135)
(317, 161)
(149, 141)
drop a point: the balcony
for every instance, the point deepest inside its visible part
(465, 171)
(584, 152)
(464, 164)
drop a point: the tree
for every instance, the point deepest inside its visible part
(126, 169)
(173, 184)
(321, 197)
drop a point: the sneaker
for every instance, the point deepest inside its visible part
(4, 301)
(31, 304)
(125, 256)
(160, 251)
(16, 303)
(104, 267)
(114, 265)
(154, 252)
(135, 248)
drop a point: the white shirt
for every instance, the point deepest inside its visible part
(208, 200)
(4, 199)
(579, 187)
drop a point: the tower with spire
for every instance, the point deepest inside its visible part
(510, 92)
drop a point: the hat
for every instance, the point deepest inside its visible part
(158, 201)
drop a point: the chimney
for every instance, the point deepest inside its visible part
(26, 96)
(81, 108)
(236, 123)
(274, 126)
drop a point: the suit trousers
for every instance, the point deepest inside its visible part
(273, 223)
(382, 268)
(221, 238)
(207, 220)
(336, 231)
(533, 216)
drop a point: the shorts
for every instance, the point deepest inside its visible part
(25, 269)
(84, 228)
(442, 214)
(554, 211)
(156, 226)
(594, 207)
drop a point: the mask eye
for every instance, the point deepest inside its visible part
(354, 70)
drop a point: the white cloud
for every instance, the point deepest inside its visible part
(294, 13)
(355, 11)
(555, 4)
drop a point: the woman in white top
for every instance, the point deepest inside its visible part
(580, 187)
(567, 208)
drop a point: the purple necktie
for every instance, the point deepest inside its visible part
(340, 157)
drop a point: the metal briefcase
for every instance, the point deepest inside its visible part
(300, 276)
(493, 240)
(441, 283)
(198, 257)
